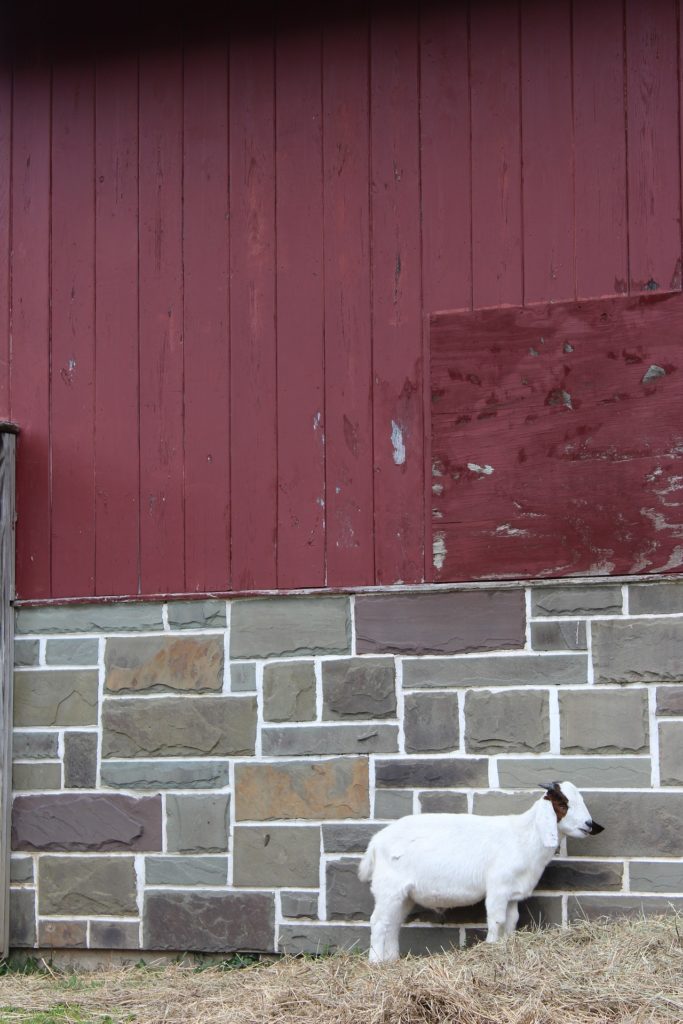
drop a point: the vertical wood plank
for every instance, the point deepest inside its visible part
(300, 339)
(600, 148)
(253, 414)
(348, 349)
(548, 187)
(654, 204)
(117, 437)
(162, 556)
(29, 379)
(72, 261)
(5, 242)
(206, 337)
(445, 157)
(396, 275)
(496, 155)
(7, 511)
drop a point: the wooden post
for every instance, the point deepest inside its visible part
(8, 433)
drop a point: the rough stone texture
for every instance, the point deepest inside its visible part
(197, 824)
(443, 803)
(617, 772)
(209, 921)
(93, 821)
(513, 670)
(590, 600)
(428, 941)
(655, 876)
(62, 934)
(582, 875)
(114, 935)
(347, 897)
(26, 653)
(607, 722)
(22, 917)
(504, 803)
(58, 697)
(641, 651)
(507, 722)
(671, 753)
(337, 788)
(636, 825)
(72, 652)
(299, 904)
(90, 618)
(558, 636)
(430, 722)
(243, 677)
(359, 688)
(289, 627)
(43, 775)
(35, 745)
(540, 912)
(580, 908)
(655, 598)
(289, 692)
(432, 773)
(87, 885)
(352, 838)
(331, 739)
(186, 870)
(151, 664)
(322, 938)
(218, 726)
(80, 760)
(159, 774)
(286, 855)
(393, 803)
(670, 700)
(21, 869)
(440, 623)
(196, 614)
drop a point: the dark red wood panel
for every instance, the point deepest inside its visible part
(206, 319)
(72, 298)
(117, 478)
(29, 379)
(162, 535)
(348, 350)
(600, 148)
(496, 154)
(253, 413)
(396, 322)
(557, 439)
(547, 146)
(5, 214)
(653, 147)
(300, 339)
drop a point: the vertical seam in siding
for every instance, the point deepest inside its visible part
(371, 267)
(228, 324)
(276, 521)
(323, 395)
(521, 150)
(573, 147)
(182, 316)
(94, 325)
(424, 324)
(626, 150)
(469, 133)
(678, 80)
(137, 221)
(49, 339)
(10, 247)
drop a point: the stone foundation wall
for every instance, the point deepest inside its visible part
(204, 775)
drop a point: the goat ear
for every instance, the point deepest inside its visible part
(547, 824)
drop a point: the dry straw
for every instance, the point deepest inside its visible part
(629, 972)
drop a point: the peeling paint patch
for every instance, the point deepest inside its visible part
(567, 347)
(558, 396)
(398, 444)
(652, 373)
(505, 530)
(484, 470)
(437, 489)
(675, 560)
(437, 468)
(439, 550)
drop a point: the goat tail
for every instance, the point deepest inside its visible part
(367, 863)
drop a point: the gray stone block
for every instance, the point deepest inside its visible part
(321, 939)
(87, 886)
(62, 934)
(430, 722)
(636, 825)
(243, 677)
(347, 897)
(512, 670)
(331, 739)
(186, 871)
(604, 722)
(656, 876)
(443, 803)
(359, 688)
(671, 753)
(114, 935)
(351, 838)
(670, 700)
(26, 653)
(279, 790)
(580, 908)
(90, 618)
(21, 869)
(287, 855)
(209, 922)
(393, 803)
(57, 697)
(35, 746)
(22, 918)
(39, 776)
(275, 627)
(594, 599)
(507, 722)
(197, 824)
(432, 773)
(584, 875)
(191, 664)
(80, 760)
(289, 692)
(428, 941)
(72, 651)
(196, 614)
(592, 772)
(158, 774)
(558, 636)
(540, 912)
(299, 904)
(664, 598)
(171, 726)
(496, 802)
(638, 651)
(86, 821)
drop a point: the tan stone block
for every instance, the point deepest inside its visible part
(337, 788)
(282, 856)
(59, 697)
(172, 726)
(151, 664)
(289, 692)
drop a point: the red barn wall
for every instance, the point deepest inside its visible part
(217, 259)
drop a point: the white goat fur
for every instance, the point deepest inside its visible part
(454, 860)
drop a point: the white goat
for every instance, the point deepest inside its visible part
(454, 860)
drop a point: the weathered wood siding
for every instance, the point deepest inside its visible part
(216, 262)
